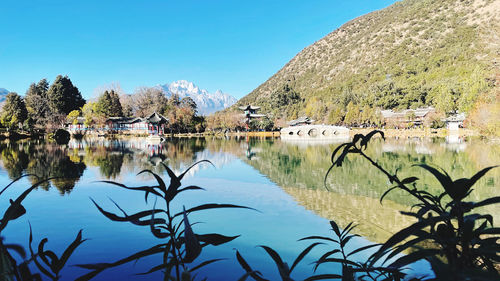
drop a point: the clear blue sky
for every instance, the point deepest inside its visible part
(229, 45)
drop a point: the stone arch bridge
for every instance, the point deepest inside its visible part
(314, 132)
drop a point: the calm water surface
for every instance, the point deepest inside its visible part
(283, 180)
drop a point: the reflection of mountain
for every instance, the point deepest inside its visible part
(375, 221)
(304, 167)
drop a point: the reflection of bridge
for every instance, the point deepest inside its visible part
(314, 131)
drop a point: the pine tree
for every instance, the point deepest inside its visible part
(116, 106)
(37, 102)
(14, 111)
(64, 97)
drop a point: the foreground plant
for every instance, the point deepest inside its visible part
(180, 245)
(351, 268)
(9, 269)
(463, 243)
(50, 264)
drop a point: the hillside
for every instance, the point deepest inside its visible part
(443, 53)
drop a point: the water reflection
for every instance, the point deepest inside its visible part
(355, 188)
(43, 160)
(299, 169)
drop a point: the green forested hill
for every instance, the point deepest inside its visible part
(443, 53)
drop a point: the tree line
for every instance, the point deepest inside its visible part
(47, 107)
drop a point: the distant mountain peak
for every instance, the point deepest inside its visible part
(207, 102)
(3, 93)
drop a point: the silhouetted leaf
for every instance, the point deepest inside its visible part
(33, 256)
(367, 138)
(190, 167)
(147, 189)
(161, 183)
(489, 201)
(212, 206)
(16, 248)
(414, 256)
(71, 248)
(387, 192)
(362, 249)
(15, 210)
(132, 218)
(282, 267)
(191, 187)
(409, 180)
(444, 179)
(204, 263)
(320, 238)
(193, 247)
(303, 254)
(215, 239)
(402, 235)
(99, 267)
(323, 277)
(336, 260)
(248, 269)
(15, 180)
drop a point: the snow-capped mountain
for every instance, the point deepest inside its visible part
(3, 93)
(207, 102)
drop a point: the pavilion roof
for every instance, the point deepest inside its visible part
(249, 107)
(156, 118)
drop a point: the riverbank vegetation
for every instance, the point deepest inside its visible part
(46, 108)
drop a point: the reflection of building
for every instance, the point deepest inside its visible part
(153, 124)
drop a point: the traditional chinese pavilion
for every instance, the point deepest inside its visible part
(250, 112)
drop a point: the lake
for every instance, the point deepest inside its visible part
(283, 181)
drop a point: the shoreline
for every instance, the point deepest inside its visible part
(388, 133)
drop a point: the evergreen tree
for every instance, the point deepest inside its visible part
(37, 102)
(116, 106)
(352, 115)
(64, 97)
(104, 104)
(14, 111)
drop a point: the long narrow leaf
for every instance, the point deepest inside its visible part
(303, 254)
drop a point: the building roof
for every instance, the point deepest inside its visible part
(156, 118)
(419, 112)
(301, 120)
(455, 118)
(249, 107)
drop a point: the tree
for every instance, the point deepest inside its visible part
(37, 104)
(148, 100)
(14, 111)
(73, 116)
(63, 97)
(109, 104)
(189, 103)
(128, 106)
(352, 115)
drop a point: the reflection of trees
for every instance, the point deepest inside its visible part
(14, 158)
(43, 160)
(108, 159)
